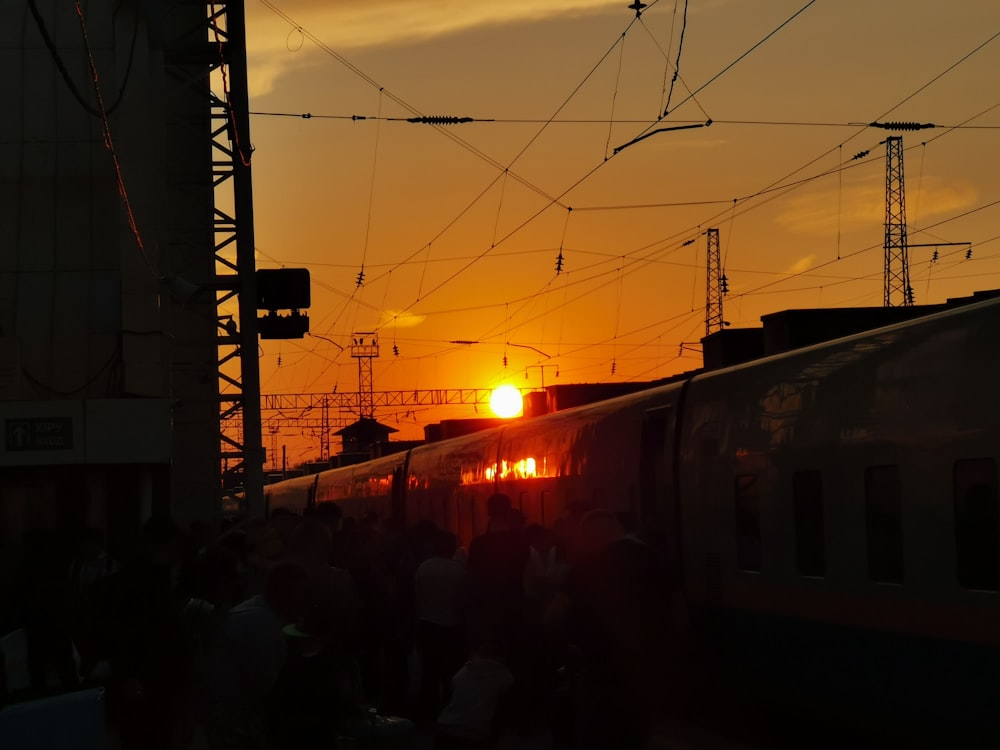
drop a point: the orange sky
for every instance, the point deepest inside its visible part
(458, 227)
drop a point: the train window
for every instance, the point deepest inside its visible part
(977, 524)
(810, 541)
(747, 507)
(652, 456)
(884, 523)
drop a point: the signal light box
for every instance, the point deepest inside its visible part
(283, 289)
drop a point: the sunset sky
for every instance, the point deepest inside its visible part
(457, 228)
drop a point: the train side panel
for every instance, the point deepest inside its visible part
(835, 470)
(448, 482)
(846, 495)
(295, 495)
(334, 485)
(587, 457)
(376, 488)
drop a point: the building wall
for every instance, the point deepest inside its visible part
(95, 347)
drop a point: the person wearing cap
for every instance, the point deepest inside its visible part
(317, 697)
(312, 696)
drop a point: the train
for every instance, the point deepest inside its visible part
(829, 514)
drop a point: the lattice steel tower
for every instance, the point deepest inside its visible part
(364, 348)
(898, 291)
(715, 283)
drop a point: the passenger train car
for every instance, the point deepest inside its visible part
(830, 515)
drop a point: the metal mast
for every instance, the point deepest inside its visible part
(224, 54)
(896, 274)
(715, 285)
(364, 348)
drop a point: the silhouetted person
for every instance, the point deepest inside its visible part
(439, 598)
(497, 563)
(315, 698)
(91, 565)
(477, 711)
(134, 619)
(47, 601)
(246, 659)
(614, 610)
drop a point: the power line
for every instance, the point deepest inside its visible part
(781, 186)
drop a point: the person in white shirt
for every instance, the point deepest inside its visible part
(439, 595)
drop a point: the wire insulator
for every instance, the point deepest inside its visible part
(439, 120)
(902, 125)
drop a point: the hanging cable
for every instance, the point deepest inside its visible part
(562, 240)
(109, 144)
(618, 314)
(677, 64)
(614, 96)
(371, 190)
(61, 66)
(496, 222)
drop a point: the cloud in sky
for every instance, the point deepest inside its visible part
(355, 24)
(802, 264)
(863, 205)
(399, 319)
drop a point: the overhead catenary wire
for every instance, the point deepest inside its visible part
(593, 170)
(776, 188)
(398, 100)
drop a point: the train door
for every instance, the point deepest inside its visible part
(659, 509)
(311, 492)
(398, 495)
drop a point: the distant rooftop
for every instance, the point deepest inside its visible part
(794, 329)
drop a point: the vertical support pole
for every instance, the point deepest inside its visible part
(245, 260)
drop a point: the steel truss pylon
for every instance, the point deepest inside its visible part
(714, 283)
(215, 56)
(896, 274)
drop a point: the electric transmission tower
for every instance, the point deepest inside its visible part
(715, 285)
(898, 291)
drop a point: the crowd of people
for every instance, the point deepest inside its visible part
(325, 631)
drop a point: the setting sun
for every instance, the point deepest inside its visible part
(506, 401)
